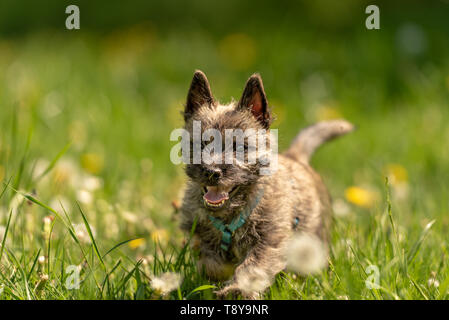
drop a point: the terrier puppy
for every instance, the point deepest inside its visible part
(243, 220)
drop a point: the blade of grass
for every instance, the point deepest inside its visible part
(22, 272)
(200, 288)
(34, 263)
(19, 175)
(5, 187)
(89, 231)
(54, 161)
(49, 245)
(118, 245)
(421, 292)
(128, 276)
(106, 278)
(414, 250)
(5, 235)
(68, 225)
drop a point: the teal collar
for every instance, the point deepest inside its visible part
(227, 230)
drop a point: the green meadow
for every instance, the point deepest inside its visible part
(88, 188)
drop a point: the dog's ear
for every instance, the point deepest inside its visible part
(254, 98)
(199, 94)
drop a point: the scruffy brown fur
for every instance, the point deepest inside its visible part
(294, 190)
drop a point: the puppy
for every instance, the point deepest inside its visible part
(242, 219)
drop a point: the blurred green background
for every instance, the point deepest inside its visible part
(115, 88)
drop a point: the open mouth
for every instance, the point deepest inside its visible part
(215, 197)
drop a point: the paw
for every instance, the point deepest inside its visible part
(230, 290)
(233, 291)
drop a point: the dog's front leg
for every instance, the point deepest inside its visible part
(256, 273)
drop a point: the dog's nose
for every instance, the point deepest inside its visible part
(213, 174)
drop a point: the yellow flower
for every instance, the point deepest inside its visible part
(361, 197)
(327, 112)
(92, 162)
(78, 134)
(238, 51)
(396, 174)
(159, 235)
(134, 244)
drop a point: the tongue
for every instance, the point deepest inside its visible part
(214, 195)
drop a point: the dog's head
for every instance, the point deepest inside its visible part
(231, 140)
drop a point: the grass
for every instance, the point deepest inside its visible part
(87, 181)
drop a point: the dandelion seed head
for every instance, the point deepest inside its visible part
(166, 282)
(306, 254)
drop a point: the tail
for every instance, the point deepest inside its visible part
(310, 138)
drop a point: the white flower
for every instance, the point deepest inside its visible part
(66, 172)
(40, 167)
(401, 191)
(48, 220)
(432, 282)
(2, 232)
(130, 217)
(340, 208)
(84, 196)
(44, 277)
(41, 259)
(82, 234)
(166, 282)
(113, 228)
(146, 260)
(52, 104)
(91, 183)
(306, 254)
